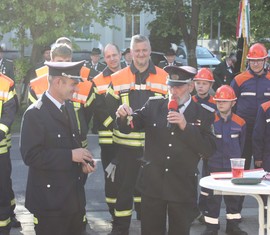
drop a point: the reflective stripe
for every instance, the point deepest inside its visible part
(4, 95)
(4, 223)
(204, 193)
(248, 94)
(140, 87)
(80, 97)
(35, 220)
(3, 150)
(122, 213)
(90, 100)
(268, 120)
(102, 88)
(112, 93)
(210, 220)
(137, 199)
(233, 216)
(147, 86)
(125, 99)
(131, 135)
(84, 218)
(4, 128)
(234, 135)
(105, 140)
(133, 143)
(12, 202)
(84, 143)
(105, 133)
(218, 136)
(108, 121)
(1, 106)
(266, 93)
(110, 200)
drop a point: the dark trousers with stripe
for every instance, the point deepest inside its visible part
(155, 212)
(107, 156)
(126, 172)
(6, 192)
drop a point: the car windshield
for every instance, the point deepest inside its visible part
(202, 52)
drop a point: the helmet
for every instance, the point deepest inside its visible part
(204, 74)
(225, 93)
(257, 52)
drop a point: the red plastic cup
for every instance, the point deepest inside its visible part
(237, 165)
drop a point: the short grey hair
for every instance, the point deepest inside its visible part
(137, 39)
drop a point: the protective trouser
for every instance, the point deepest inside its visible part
(6, 192)
(126, 174)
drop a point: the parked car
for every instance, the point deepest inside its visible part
(205, 58)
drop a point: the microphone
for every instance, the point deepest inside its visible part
(172, 106)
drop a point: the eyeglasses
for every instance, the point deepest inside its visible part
(256, 61)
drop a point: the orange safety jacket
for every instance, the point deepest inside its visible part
(104, 133)
(6, 94)
(123, 83)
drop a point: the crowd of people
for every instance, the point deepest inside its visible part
(147, 119)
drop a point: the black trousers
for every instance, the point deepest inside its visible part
(155, 212)
(59, 225)
(6, 192)
(107, 155)
(126, 173)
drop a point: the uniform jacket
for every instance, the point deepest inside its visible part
(101, 83)
(223, 75)
(171, 155)
(261, 136)
(230, 138)
(8, 107)
(208, 101)
(55, 182)
(133, 88)
(164, 63)
(7, 68)
(251, 91)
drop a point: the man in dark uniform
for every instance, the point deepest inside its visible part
(58, 165)
(6, 66)
(170, 56)
(127, 58)
(174, 143)
(224, 72)
(94, 64)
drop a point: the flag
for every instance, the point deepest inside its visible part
(243, 32)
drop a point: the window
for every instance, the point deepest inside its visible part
(132, 25)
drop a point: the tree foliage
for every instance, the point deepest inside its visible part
(50, 19)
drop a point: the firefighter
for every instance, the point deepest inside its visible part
(229, 130)
(51, 146)
(112, 57)
(9, 106)
(133, 86)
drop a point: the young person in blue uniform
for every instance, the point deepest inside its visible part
(230, 132)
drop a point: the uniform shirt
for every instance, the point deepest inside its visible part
(208, 101)
(251, 91)
(261, 136)
(230, 139)
(171, 155)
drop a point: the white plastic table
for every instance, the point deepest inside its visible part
(226, 187)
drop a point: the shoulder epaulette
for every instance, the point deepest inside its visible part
(208, 108)
(158, 97)
(38, 104)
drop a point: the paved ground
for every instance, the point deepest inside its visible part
(97, 215)
(99, 223)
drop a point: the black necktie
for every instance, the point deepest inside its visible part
(64, 111)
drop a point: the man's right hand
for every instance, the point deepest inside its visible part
(123, 111)
(81, 155)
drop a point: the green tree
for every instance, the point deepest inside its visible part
(50, 19)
